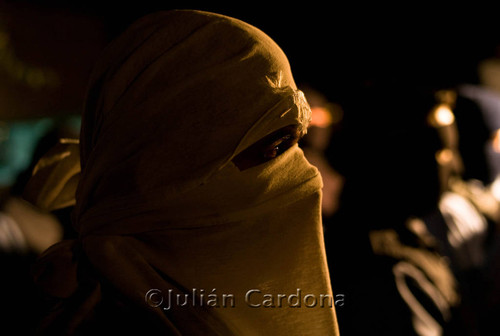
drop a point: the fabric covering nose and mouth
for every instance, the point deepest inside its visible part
(159, 203)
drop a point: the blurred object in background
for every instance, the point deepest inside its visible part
(488, 101)
(46, 55)
(26, 230)
(32, 143)
(466, 224)
(326, 120)
(486, 196)
(489, 71)
(19, 138)
(455, 118)
(45, 59)
(485, 92)
(380, 253)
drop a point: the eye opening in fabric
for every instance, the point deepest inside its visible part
(269, 147)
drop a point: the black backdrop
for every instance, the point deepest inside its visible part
(333, 45)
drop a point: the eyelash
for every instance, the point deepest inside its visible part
(274, 150)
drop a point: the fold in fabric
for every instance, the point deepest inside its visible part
(159, 204)
(55, 177)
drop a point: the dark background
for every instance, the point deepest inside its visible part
(331, 46)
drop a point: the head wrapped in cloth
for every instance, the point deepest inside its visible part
(160, 203)
(171, 102)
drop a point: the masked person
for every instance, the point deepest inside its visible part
(196, 211)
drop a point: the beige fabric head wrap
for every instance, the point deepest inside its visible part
(159, 201)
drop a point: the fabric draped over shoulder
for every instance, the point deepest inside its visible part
(159, 203)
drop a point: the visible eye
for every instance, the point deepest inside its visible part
(280, 146)
(268, 147)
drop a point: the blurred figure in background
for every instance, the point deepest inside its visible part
(467, 118)
(325, 123)
(488, 70)
(461, 222)
(25, 229)
(477, 112)
(381, 255)
(46, 52)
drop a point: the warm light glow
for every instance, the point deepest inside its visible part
(495, 189)
(444, 156)
(321, 117)
(442, 115)
(495, 143)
